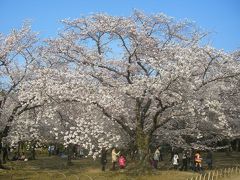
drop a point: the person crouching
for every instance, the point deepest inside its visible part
(122, 162)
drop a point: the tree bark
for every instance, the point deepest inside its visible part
(143, 149)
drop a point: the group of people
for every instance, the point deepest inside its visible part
(21, 157)
(189, 160)
(117, 157)
(192, 160)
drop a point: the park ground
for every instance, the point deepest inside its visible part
(46, 168)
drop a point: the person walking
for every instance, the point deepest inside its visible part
(103, 158)
(114, 158)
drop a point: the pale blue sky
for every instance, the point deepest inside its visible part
(222, 17)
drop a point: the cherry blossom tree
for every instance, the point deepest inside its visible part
(16, 57)
(135, 81)
(148, 76)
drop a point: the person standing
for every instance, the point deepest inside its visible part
(5, 150)
(184, 161)
(192, 161)
(49, 150)
(175, 160)
(198, 161)
(161, 153)
(52, 150)
(103, 158)
(156, 157)
(172, 153)
(209, 159)
(114, 158)
(188, 159)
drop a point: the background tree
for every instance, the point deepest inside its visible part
(16, 57)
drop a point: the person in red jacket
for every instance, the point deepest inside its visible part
(122, 162)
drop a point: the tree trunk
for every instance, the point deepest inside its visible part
(142, 143)
(142, 138)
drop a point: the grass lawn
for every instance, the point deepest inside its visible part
(54, 167)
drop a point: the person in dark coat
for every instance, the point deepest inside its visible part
(5, 150)
(15, 157)
(188, 159)
(103, 158)
(209, 159)
(184, 161)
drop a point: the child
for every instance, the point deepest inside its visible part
(122, 162)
